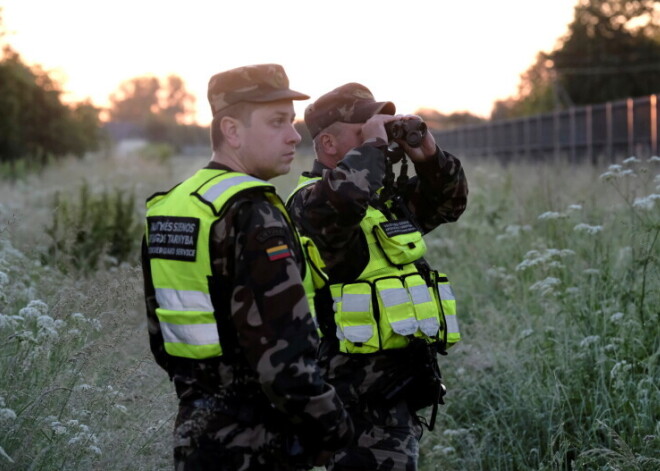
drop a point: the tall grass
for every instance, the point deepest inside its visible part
(555, 268)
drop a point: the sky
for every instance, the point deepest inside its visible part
(447, 55)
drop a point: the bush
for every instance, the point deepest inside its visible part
(96, 229)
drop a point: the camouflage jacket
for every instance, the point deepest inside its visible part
(330, 212)
(268, 372)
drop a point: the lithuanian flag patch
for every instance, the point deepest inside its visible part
(276, 253)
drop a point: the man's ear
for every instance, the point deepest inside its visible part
(328, 144)
(230, 129)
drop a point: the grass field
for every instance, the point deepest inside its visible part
(555, 268)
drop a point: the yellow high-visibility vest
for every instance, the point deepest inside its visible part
(391, 301)
(178, 232)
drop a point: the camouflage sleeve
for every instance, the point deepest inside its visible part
(274, 327)
(153, 326)
(438, 193)
(331, 209)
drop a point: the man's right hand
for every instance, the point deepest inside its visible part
(374, 127)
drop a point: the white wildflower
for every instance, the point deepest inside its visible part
(620, 368)
(29, 313)
(10, 322)
(45, 322)
(526, 333)
(444, 450)
(459, 432)
(647, 202)
(572, 290)
(95, 324)
(72, 422)
(4, 279)
(631, 160)
(513, 231)
(616, 317)
(591, 271)
(121, 408)
(7, 415)
(78, 316)
(555, 264)
(546, 287)
(58, 428)
(94, 449)
(654, 158)
(39, 305)
(551, 215)
(84, 387)
(591, 339)
(591, 230)
(574, 207)
(616, 171)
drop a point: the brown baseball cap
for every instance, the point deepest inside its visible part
(259, 83)
(350, 103)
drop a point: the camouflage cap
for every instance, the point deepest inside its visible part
(350, 103)
(260, 83)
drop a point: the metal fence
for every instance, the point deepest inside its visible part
(607, 131)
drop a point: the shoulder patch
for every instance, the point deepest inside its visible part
(278, 252)
(268, 232)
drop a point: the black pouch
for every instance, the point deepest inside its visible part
(417, 380)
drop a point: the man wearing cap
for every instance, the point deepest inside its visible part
(387, 313)
(227, 287)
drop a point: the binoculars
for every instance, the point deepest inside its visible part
(410, 130)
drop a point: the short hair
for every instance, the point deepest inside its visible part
(241, 111)
(332, 129)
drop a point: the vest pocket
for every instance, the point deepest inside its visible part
(400, 241)
(397, 315)
(447, 300)
(425, 305)
(357, 330)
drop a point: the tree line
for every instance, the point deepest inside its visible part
(610, 51)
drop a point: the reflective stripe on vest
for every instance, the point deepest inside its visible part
(181, 300)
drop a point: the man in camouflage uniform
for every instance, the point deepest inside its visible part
(351, 143)
(251, 394)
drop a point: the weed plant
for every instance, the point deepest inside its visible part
(556, 273)
(93, 229)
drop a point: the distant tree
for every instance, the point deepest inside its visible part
(439, 121)
(135, 100)
(611, 51)
(160, 110)
(538, 92)
(34, 123)
(138, 99)
(177, 103)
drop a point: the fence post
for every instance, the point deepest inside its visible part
(608, 125)
(630, 121)
(589, 133)
(653, 102)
